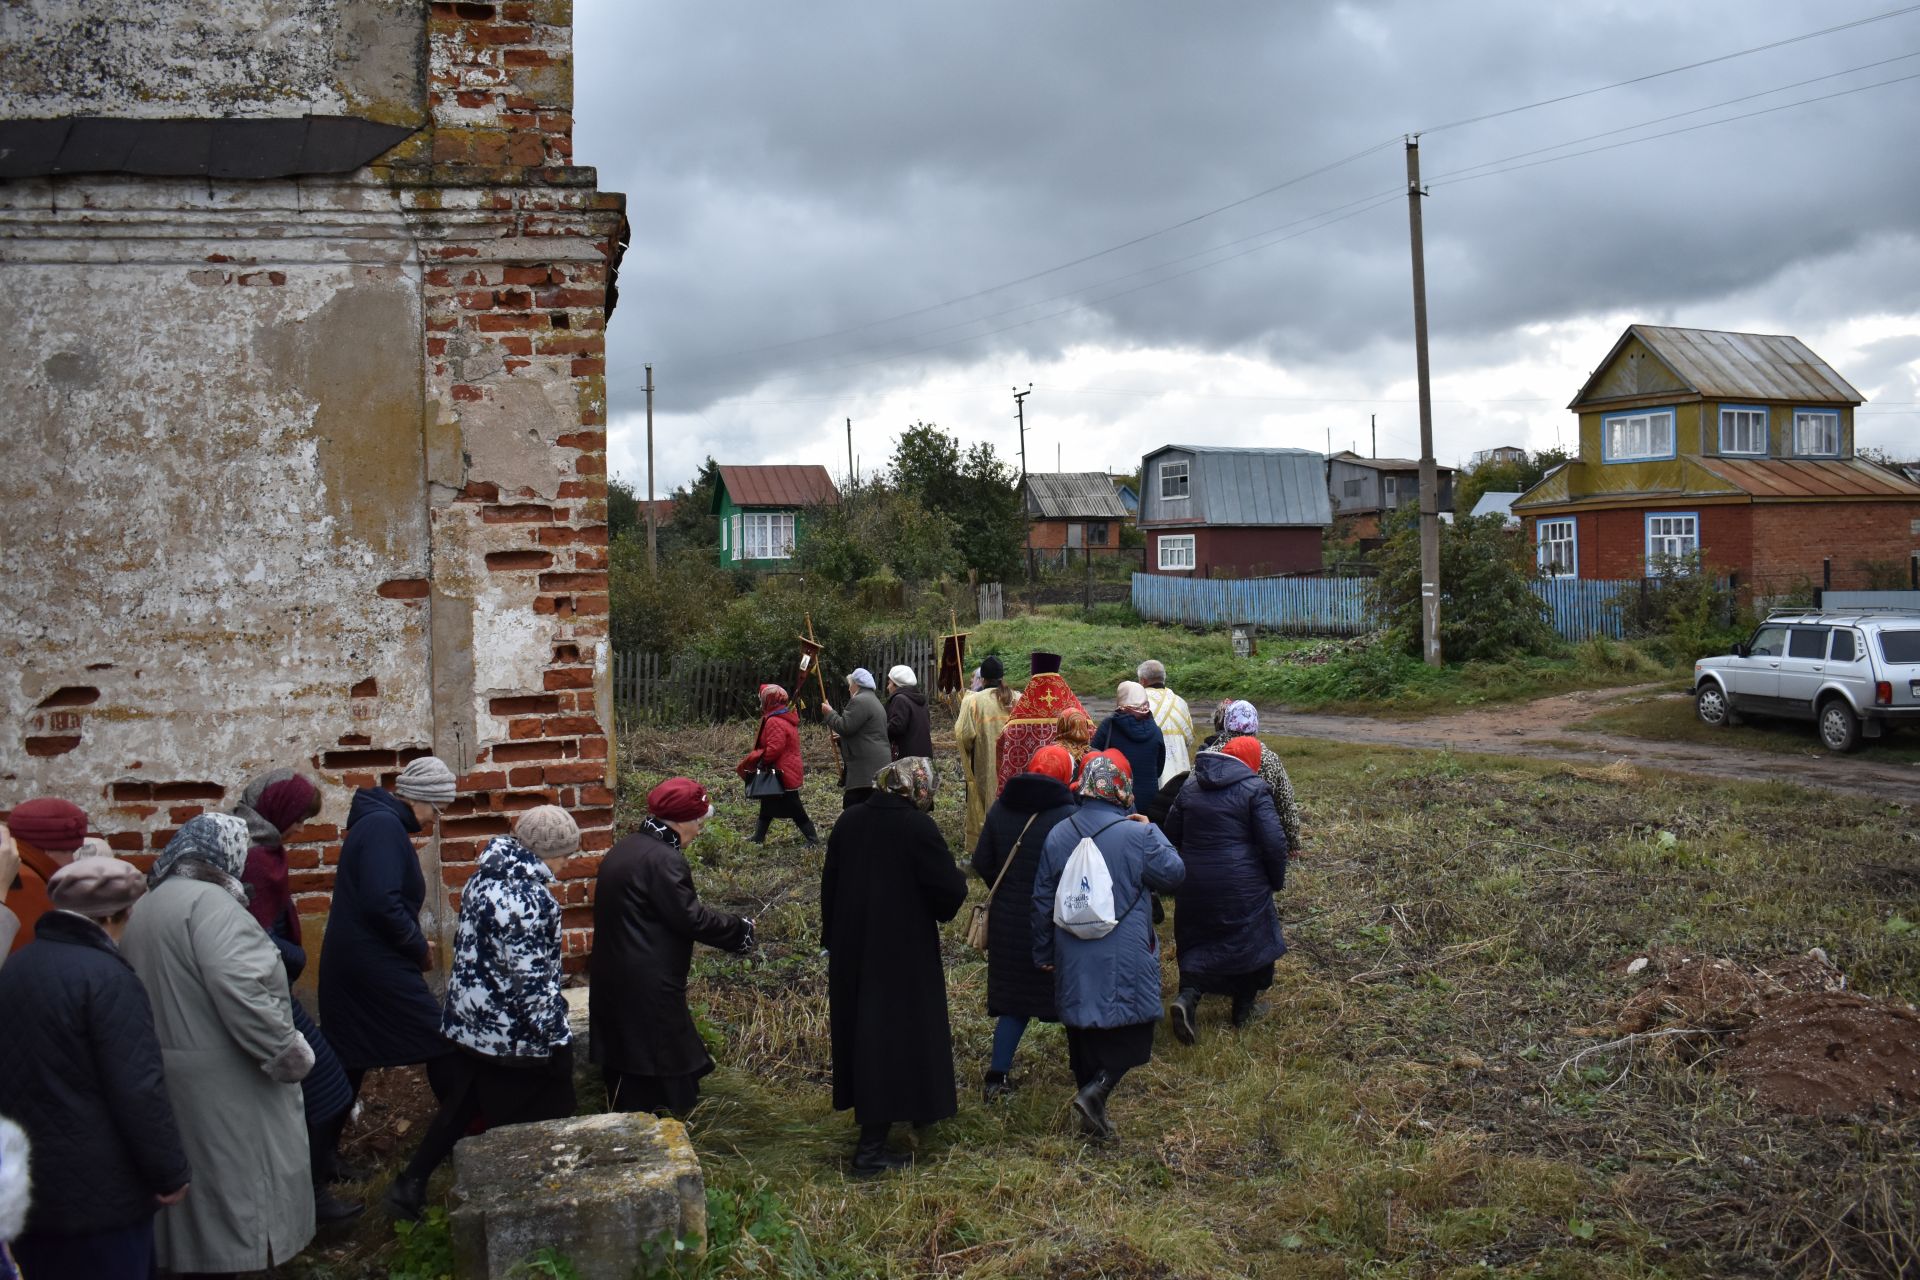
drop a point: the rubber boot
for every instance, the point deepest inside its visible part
(996, 1086)
(407, 1197)
(1244, 1007)
(760, 829)
(1090, 1104)
(807, 832)
(1183, 1014)
(871, 1156)
(329, 1208)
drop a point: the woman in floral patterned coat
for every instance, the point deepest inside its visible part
(505, 1014)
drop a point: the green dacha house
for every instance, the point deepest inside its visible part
(762, 512)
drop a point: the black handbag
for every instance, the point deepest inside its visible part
(765, 784)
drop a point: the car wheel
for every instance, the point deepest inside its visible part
(1710, 704)
(1839, 727)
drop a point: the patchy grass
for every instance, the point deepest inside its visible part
(1349, 677)
(1459, 926)
(1670, 718)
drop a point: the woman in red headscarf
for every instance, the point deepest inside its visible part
(272, 806)
(778, 748)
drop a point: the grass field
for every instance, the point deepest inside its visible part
(1666, 718)
(1202, 667)
(1459, 928)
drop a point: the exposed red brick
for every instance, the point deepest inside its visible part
(515, 752)
(526, 776)
(368, 688)
(464, 391)
(70, 696)
(372, 758)
(519, 513)
(51, 744)
(587, 368)
(562, 726)
(483, 825)
(568, 678)
(124, 841)
(532, 704)
(405, 589)
(593, 748)
(579, 772)
(573, 582)
(188, 791)
(528, 275)
(504, 561)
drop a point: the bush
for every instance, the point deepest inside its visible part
(1488, 612)
(664, 611)
(1686, 612)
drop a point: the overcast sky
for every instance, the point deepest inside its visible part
(846, 210)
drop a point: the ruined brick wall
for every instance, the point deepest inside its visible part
(312, 471)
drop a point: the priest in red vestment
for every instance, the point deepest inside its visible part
(1035, 721)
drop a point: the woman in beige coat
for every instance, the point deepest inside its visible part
(233, 1059)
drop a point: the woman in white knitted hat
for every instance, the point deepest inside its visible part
(513, 1060)
(374, 1003)
(909, 731)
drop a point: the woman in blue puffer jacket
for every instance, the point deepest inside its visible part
(1107, 988)
(1225, 928)
(1130, 730)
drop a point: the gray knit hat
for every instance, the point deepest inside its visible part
(96, 887)
(427, 780)
(549, 831)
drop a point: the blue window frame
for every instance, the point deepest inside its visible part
(1639, 435)
(1672, 535)
(1743, 430)
(1816, 433)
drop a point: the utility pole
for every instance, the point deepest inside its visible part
(653, 520)
(1020, 412)
(1373, 429)
(851, 474)
(1429, 475)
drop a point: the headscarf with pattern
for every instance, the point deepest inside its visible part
(1240, 718)
(272, 805)
(772, 699)
(1052, 761)
(911, 778)
(1102, 778)
(218, 840)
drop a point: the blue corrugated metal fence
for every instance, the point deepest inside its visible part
(1580, 607)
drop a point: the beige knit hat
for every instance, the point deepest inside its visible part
(427, 780)
(96, 887)
(548, 831)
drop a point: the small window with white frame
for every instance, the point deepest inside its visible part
(1174, 482)
(1671, 536)
(1176, 551)
(1816, 433)
(724, 522)
(769, 535)
(1743, 430)
(738, 546)
(1557, 549)
(1634, 437)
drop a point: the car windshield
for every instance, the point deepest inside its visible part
(1768, 642)
(1900, 646)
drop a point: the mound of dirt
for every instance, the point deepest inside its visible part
(1830, 1054)
(1688, 990)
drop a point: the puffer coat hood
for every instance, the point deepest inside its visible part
(1139, 739)
(1216, 770)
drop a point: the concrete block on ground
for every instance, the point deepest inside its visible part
(587, 1080)
(595, 1188)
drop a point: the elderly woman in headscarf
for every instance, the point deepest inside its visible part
(1107, 987)
(1130, 730)
(272, 806)
(888, 882)
(1237, 718)
(233, 1057)
(1225, 928)
(777, 747)
(1075, 735)
(983, 717)
(861, 731)
(1006, 858)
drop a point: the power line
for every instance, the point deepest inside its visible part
(1691, 66)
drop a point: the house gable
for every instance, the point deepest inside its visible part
(1632, 369)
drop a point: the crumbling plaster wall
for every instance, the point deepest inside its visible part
(313, 471)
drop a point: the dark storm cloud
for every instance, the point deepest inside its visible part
(796, 170)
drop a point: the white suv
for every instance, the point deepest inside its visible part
(1854, 673)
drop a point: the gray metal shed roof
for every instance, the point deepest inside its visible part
(1730, 366)
(1073, 495)
(1258, 486)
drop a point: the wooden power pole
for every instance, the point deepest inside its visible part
(1429, 474)
(653, 519)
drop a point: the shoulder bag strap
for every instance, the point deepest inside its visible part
(1011, 855)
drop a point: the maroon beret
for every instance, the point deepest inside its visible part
(49, 824)
(679, 800)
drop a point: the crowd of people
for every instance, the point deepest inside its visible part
(179, 1108)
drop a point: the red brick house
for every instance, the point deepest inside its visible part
(1233, 513)
(1073, 511)
(1736, 446)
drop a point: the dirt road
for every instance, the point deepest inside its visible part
(1540, 728)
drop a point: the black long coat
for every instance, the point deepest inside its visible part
(1014, 987)
(909, 731)
(80, 1072)
(646, 918)
(374, 1003)
(889, 880)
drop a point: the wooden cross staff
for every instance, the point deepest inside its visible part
(810, 654)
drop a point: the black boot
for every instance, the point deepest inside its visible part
(760, 829)
(1244, 1007)
(329, 1208)
(407, 1197)
(1184, 1016)
(807, 832)
(1090, 1104)
(871, 1156)
(996, 1086)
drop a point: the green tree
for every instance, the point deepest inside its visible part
(876, 531)
(1488, 612)
(972, 488)
(623, 509)
(693, 523)
(1503, 477)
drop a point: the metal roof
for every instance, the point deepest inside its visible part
(214, 148)
(1797, 478)
(1257, 486)
(1385, 464)
(1495, 502)
(801, 485)
(1733, 366)
(1073, 495)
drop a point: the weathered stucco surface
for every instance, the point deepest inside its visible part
(311, 471)
(156, 59)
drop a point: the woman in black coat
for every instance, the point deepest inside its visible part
(888, 882)
(80, 1071)
(646, 918)
(1018, 825)
(374, 1003)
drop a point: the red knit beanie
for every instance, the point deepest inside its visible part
(1246, 751)
(49, 825)
(679, 800)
